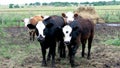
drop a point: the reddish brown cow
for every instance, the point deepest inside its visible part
(78, 31)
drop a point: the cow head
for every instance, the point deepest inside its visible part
(71, 32)
(39, 31)
(69, 16)
(67, 33)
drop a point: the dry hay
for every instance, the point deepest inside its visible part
(88, 12)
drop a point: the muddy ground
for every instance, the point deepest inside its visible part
(102, 55)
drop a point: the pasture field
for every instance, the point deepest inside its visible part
(17, 51)
(12, 17)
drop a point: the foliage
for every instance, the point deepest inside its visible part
(11, 5)
(102, 3)
(99, 3)
(62, 4)
(17, 6)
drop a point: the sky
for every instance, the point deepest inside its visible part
(6, 2)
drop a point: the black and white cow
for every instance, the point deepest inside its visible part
(49, 31)
(78, 31)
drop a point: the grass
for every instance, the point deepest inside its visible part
(17, 48)
(115, 42)
(12, 17)
(19, 52)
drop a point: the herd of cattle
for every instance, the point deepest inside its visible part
(67, 30)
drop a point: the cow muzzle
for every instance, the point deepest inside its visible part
(66, 42)
(40, 38)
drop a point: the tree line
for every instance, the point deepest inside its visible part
(63, 4)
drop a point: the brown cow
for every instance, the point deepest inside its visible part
(78, 31)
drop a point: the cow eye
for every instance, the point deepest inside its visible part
(70, 34)
(66, 31)
(66, 17)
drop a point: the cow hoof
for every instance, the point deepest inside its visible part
(74, 65)
(88, 58)
(63, 56)
(53, 66)
(58, 59)
(48, 59)
(44, 63)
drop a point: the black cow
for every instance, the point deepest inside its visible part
(78, 31)
(49, 31)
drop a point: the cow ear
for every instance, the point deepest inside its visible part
(75, 28)
(49, 25)
(42, 16)
(76, 15)
(30, 26)
(63, 14)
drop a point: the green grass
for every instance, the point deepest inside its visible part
(108, 7)
(115, 42)
(11, 17)
(19, 49)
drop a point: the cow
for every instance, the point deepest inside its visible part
(78, 30)
(31, 23)
(49, 31)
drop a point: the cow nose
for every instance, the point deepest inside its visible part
(40, 38)
(67, 42)
(70, 21)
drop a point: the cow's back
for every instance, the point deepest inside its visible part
(34, 20)
(86, 26)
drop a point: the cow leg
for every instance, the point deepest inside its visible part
(83, 47)
(89, 46)
(30, 35)
(49, 55)
(44, 56)
(75, 49)
(71, 56)
(52, 51)
(62, 50)
(33, 35)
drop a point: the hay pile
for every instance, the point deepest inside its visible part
(89, 12)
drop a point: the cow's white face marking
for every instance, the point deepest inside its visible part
(26, 21)
(40, 26)
(67, 31)
(70, 16)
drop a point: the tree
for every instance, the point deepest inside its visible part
(11, 5)
(17, 6)
(30, 4)
(37, 3)
(44, 4)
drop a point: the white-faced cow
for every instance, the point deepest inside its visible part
(78, 31)
(49, 31)
(31, 23)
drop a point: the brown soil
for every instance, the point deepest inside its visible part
(102, 56)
